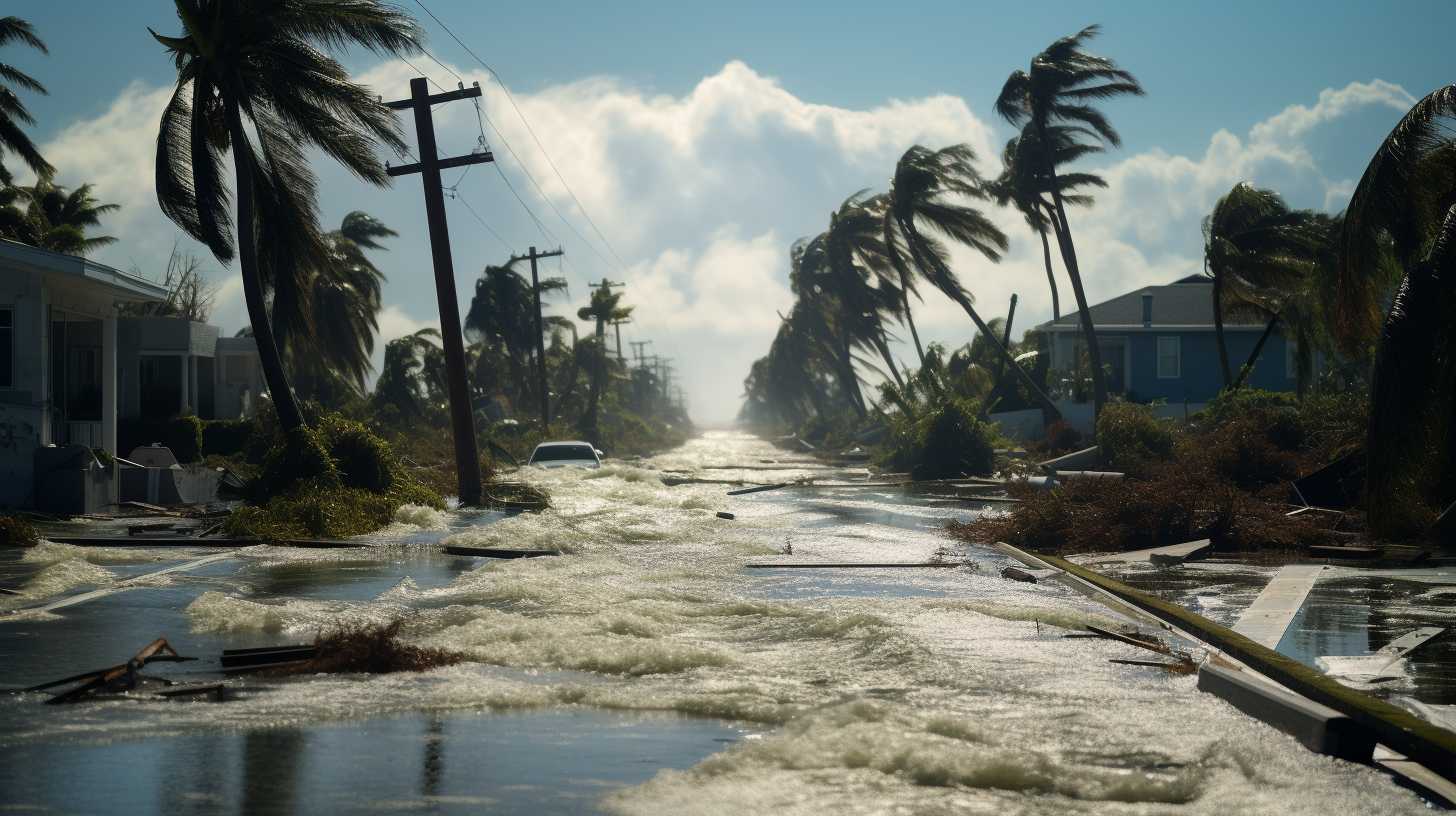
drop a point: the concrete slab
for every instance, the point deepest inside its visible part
(1161, 556)
(1266, 620)
(1319, 728)
(1084, 459)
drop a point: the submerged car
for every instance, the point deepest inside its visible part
(566, 454)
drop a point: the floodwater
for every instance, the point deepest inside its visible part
(646, 671)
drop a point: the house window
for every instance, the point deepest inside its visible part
(1170, 358)
(7, 347)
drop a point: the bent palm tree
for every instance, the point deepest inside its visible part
(1400, 232)
(345, 295)
(1057, 90)
(259, 60)
(13, 112)
(1257, 251)
(1023, 185)
(925, 185)
(47, 216)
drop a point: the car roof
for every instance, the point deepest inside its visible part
(564, 443)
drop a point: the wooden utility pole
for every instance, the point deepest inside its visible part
(637, 347)
(541, 337)
(617, 324)
(462, 418)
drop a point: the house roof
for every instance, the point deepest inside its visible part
(121, 285)
(1186, 303)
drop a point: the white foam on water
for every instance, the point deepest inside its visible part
(422, 517)
(972, 703)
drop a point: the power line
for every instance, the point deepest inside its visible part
(530, 130)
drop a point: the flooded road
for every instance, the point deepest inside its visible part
(646, 671)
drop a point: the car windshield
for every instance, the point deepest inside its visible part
(557, 453)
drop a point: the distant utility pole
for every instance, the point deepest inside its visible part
(462, 419)
(637, 350)
(617, 324)
(541, 337)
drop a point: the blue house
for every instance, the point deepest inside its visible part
(1158, 343)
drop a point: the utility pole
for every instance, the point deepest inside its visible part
(541, 337)
(617, 324)
(637, 347)
(462, 419)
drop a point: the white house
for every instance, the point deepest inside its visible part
(58, 360)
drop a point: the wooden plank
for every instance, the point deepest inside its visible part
(1266, 620)
(757, 489)
(1410, 641)
(1318, 727)
(855, 565)
(498, 552)
(1162, 556)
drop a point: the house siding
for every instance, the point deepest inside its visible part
(1201, 376)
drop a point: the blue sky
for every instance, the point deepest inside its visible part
(703, 139)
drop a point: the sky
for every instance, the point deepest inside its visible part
(701, 140)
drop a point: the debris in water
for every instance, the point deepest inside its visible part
(120, 678)
(722, 514)
(757, 489)
(369, 649)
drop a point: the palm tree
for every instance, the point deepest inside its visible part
(502, 315)
(858, 274)
(48, 216)
(928, 187)
(820, 314)
(335, 341)
(1256, 250)
(1058, 90)
(1023, 185)
(1400, 234)
(13, 112)
(604, 307)
(259, 60)
(412, 379)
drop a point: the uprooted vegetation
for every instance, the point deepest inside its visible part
(1225, 475)
(16, 532)
(334, 479)
(364, 648)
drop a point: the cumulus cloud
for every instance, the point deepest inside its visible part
(701, 193)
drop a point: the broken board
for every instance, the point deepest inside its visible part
(1266, 620)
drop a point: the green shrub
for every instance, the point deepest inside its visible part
(335, 479)
(1131, 438)
(363, 459)
(300, 456)
(946, 442)
(226, 437)
(1276, 412)
(17, 532)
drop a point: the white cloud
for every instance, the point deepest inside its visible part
(701, 193)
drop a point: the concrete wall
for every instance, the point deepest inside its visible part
(235, 399)
(140, 336)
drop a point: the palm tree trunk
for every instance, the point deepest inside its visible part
(1035, 390)
(289, 415)
(1046, 255)
(1069, 258)
(849, 380)
(910, 321)
(1254, 355)
(884, 349)
(1223, 360)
